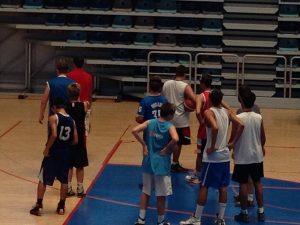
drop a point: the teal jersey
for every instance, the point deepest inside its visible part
(158, 138)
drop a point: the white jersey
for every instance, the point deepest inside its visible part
(222, 152)
(174, 92)
(248, 148)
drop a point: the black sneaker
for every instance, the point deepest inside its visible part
(70, 193)
(81, 194)
(36, 210)
(140, 221)
(242, 217)
(261, 216)
(177, 168)
(60, 210)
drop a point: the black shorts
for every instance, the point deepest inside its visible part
(242, 172)
(184, 135)
(78, 156)
(55, 167)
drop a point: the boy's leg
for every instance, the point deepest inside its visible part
(222, 202)
(79, 176)
(70, 176)
(260, 201)
(250, 192)
(37, 209)
(143, 207)
(243, 195)
(63, 194)
(161, 201)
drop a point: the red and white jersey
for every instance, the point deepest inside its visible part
(206, 105)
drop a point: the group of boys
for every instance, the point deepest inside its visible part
(164, 134)
(69, 97)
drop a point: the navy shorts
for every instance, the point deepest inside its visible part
(78, 156)
(242, 172)
(215, 175)
(55, 167)
(184, 135)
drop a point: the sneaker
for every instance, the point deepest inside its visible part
(261, 216)
(242, 217)
(220, 222)
(70, 193)
(164, 223)
(60, 210)
(177, 168)
(191, 221)
(81, 194)
(140, 221)
(192, 178)
(36, 210)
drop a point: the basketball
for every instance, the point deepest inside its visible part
(189, 104)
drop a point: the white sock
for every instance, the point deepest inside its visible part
(80, 187)
(198, 212)
(250, 197)
(142, 214)
(261, 210)
(222, 207)
(160, 218)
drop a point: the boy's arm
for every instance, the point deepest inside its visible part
(238, 127)
(188, 91)
(211, 122)
(43, 104)
(136, 130)
(263, 137)
(173, 141)
(53, 134)
(199, 106)
(86, 106)
(75, 135)
(139, 118)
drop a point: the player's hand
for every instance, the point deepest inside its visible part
(163, 152)
(41, 118)
(230, 145)
(145, 150)
(210, 150)
(264, 150)
(46, 153)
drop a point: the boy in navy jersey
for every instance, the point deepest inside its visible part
(56, 155)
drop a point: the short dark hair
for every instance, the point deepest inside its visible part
(243, 90)
(216, 97)
(74, 91)
(155, 83)
(167, 109)
(206, 79)
(248, 99)
(58, 102)
(62, 65)
(78, 62)
(180, 70)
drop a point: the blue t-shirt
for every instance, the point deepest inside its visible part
(158, 138)
(150, 106)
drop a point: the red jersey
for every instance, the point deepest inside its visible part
(206, 105)
(85, 81)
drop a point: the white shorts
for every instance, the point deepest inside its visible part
(161, 184)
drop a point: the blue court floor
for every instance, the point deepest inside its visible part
(114, 200)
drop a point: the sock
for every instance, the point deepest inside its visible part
(261, 210)
(69, 186)
(142, 214)
(160, 218)
(250, 197)
(80, 187)
(39, 201)
(222, 207)
(244, 211)
(198, 212)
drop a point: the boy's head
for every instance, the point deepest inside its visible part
(243, 90)
(78, 62)
(216, 97)
(155, 84)
(57, 103)
(248, 99)
(167, 111)
(206, 80)
(180, 71)
(62, 65)
(74, 91)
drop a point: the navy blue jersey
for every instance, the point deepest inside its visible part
(65, 131)
(150, 106)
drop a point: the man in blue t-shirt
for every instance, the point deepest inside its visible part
(56, 87)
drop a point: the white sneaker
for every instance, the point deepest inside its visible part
(191, 221)
(192, 178)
